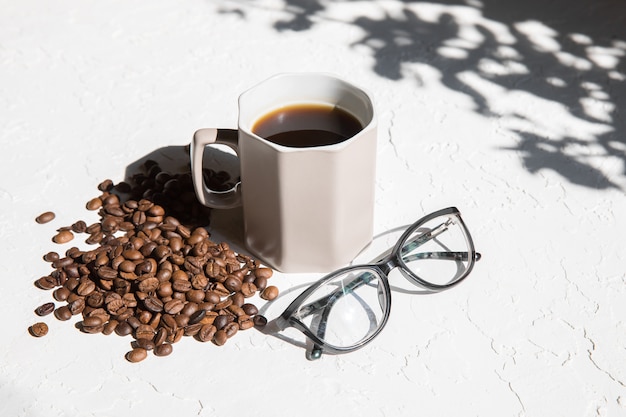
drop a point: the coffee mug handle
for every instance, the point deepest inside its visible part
(215, 199)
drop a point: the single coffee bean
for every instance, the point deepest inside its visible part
(72, 270)
(107, 273)
(222, 320)
(51, 257)
(160, 336)
(197, 316)
(236, 310)
(146, 344)
(189, 308)
(145, 268)
(260, 321)
(136, 355)
(182, 320)
(38, 329)
(153, 304)
(130, 300)
(123, 187)
(77, 306)
(232, 283)
(149, 285)
(212, 297)
(79, 227)
(224, 304)
(62, 262)
(63, 236)
(263, 273)
(126, 266)
(100, 312)
(269, 293)
(46, 217)
(86, 287)
(195, 296)
(61, 294)
(134, 322)
(144, 331)
(250, 309)
(144, 316)
(174, 306)
(71, 284)
(132, 254)
(45, 309)
(116, 307)
(260, 283)
(94, 238)
(193, 329)
(163, 350)
(231, 329)
(181, 285)
(46, 283)
(106, 185)
(95, 299)
(206, 333)
(199, 282)
(169, 322)
(110, 327)
(220, 338)
(238, 298)
(248, 289)
(63, 313)
(144, 205)
(92, 322)
(245, 322)
(123, 329)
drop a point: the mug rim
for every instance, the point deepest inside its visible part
(247, 127)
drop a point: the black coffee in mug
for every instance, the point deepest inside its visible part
(307, 125)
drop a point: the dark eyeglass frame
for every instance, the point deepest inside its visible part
(381, 268)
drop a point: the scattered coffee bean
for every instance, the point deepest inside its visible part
(163, 350)
(220, 338)
(79, 227)
(259, 320)
(63, 236)
(38, 329)
(269, 293)
(136, 355)
(51, 257)
(123, 329)
(154, 273)
(44, 309)
(46, 217)
(63, 313)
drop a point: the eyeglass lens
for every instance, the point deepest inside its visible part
(346, 309)
(437, 251)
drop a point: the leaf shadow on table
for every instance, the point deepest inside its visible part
(566, 52)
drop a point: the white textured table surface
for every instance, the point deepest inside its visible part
(511, 111)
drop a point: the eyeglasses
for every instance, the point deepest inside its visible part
(348, 308)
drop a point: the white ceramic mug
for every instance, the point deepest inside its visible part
(305, 209)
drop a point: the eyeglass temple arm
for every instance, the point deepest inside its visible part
(451, 256)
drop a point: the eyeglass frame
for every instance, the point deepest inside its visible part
(382, 267)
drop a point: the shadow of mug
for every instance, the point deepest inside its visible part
(224, 225)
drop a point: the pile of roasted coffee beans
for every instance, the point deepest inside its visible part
(152, 276)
